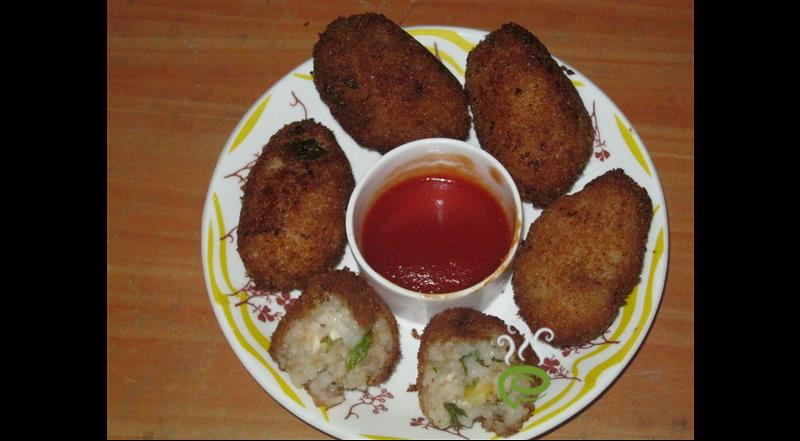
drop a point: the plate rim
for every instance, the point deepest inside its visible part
(251, 364)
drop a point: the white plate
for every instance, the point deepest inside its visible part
(580, 374)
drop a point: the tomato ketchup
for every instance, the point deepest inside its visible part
(436, 233)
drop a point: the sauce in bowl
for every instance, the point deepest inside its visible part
(436, 233)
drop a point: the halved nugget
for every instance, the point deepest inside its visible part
(528, 114)
(292, 223)
(582, 257)
(338, 335)
(459, 365)
(384, 87)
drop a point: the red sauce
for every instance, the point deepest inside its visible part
(435, 234)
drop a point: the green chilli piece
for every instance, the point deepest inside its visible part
(463, 360)
(308, 149)
(518, 374)
(454, 412)
(359, 351)
(335, 97)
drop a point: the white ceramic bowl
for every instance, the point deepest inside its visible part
(419, 157)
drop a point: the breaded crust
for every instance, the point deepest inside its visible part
(469, 325)
(384, 87)
(528, 114)
(292, 223)
(582, 257)
(465, 324)
(462, 324)
(362, 301)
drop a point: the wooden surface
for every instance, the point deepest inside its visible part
(181, 76)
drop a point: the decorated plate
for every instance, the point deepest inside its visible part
(248, 317)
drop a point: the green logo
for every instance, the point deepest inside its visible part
(522, 376)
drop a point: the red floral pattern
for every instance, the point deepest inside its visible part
(567, 350)
(261, 300)
(370, 400)
(422, 422)
(599, 143)
(296, 102)
(230, 234)
(555, 369)
(239, 174)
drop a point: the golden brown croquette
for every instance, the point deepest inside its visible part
(528, 114)
(292, 223)
(459, 365)
(338, 335)
(582, 257)
(384, 87)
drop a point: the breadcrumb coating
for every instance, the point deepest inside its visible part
(582, 257)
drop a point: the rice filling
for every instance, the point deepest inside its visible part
(331, 353)
(462, 376)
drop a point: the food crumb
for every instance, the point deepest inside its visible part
(415, 334)
(412, 387)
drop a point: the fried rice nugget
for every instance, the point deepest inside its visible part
(582, 257)
(384, 87)
(292, 222)
(528, 114)
(459, 364)
(338, 335)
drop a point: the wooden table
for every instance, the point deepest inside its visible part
(180, 77)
